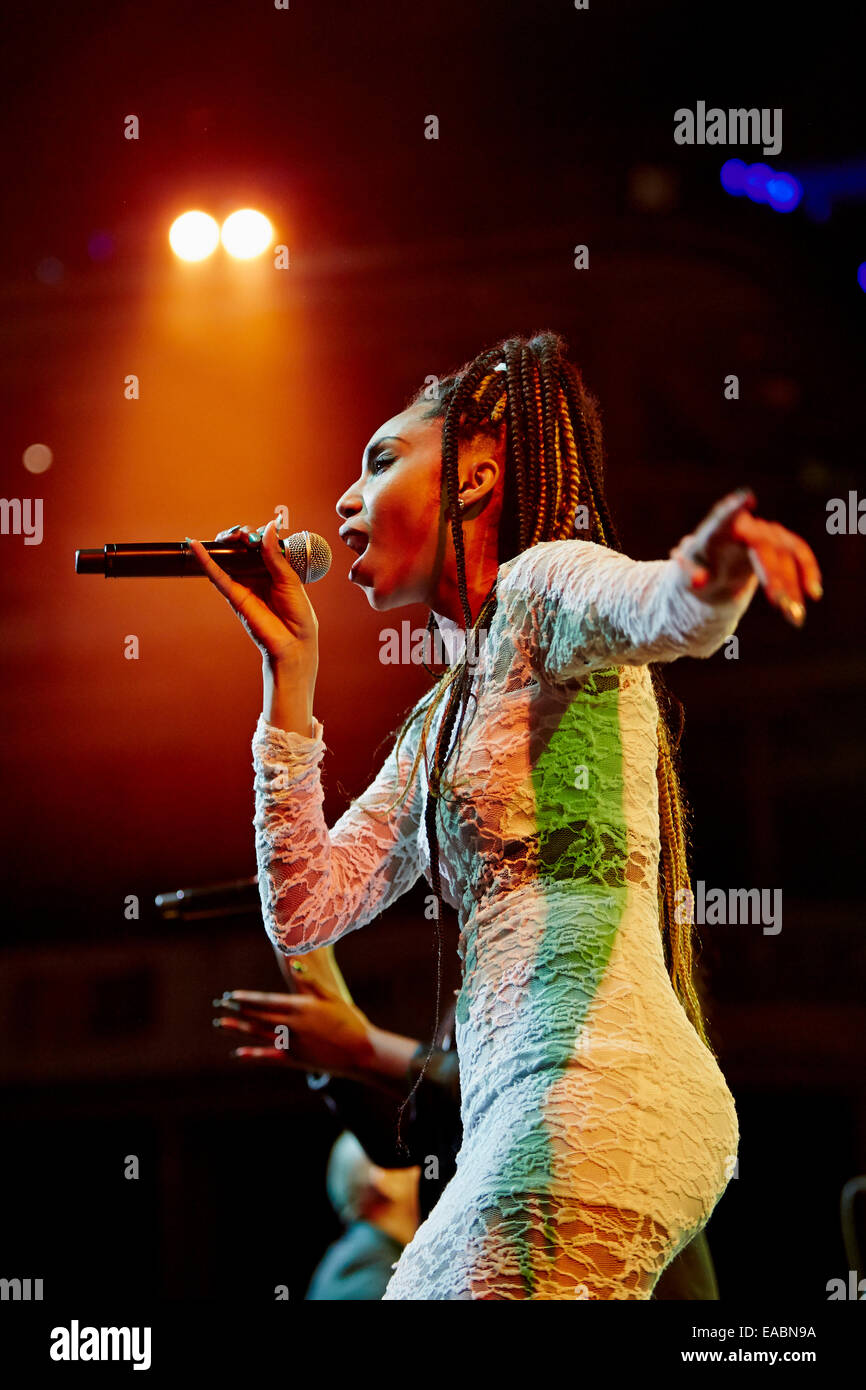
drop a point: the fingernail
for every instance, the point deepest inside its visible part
(794, 612)
(816, 590)
(299, 968)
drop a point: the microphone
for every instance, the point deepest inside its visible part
(229, 898)
(308, 554)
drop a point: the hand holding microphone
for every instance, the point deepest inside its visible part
(274, 610)
(263, 582)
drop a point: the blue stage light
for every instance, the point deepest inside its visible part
(760, 183)
(757, 178)
(861, 275)
(733, 176)
(783, 192)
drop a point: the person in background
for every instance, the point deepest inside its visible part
(379, 1209)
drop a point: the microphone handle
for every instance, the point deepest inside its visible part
(175, 560)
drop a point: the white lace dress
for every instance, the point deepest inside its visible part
(598, 1131)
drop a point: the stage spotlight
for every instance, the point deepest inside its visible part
(783, 192)
(733, 176)
(193, 236)
(760, 183)
(247, 233)
(755, 182)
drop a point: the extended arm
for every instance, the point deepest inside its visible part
(575, 606)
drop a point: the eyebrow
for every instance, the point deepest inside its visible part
(374, 443)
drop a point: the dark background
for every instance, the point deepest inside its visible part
(260, 388)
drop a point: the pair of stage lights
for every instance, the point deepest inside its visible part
(195, 235)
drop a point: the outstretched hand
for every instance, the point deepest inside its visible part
(730, 545)
(326, 1032)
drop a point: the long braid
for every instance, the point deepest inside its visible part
(554, 460)
(548, 390)
(513, 365)
(462, 672)
(572, 467)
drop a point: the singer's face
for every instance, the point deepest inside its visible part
(396, 506)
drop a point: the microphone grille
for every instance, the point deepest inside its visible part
(320, 557)
(309, 555)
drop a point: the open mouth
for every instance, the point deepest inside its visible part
(356, 540)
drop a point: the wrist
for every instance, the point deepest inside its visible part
(388, 1054)
(298, 668)
(288, 689)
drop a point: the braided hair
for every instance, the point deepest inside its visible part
(554, 464)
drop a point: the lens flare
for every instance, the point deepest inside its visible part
(193, 236)
(247, 233)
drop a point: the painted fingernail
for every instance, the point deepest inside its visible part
(815, 590)
(793, 611)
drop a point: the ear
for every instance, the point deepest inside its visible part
(480, 482)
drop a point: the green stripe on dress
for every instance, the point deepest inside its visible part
(582, 845)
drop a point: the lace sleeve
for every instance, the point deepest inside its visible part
(318, 884)
(575, 606)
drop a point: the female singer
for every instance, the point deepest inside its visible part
(535, 788)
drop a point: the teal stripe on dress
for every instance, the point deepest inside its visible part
(582, 849)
